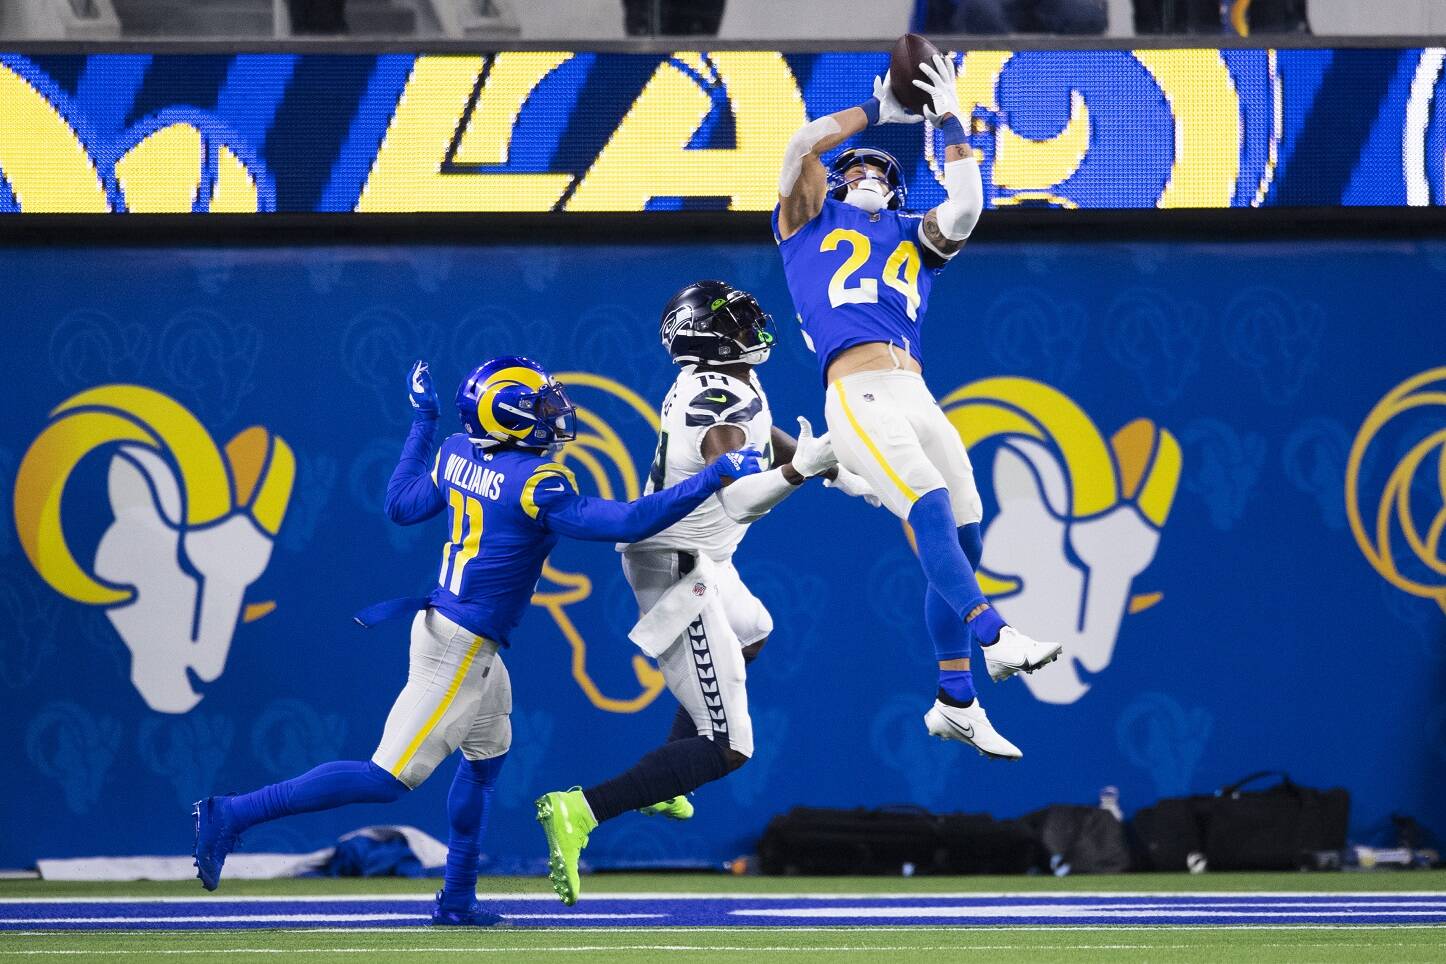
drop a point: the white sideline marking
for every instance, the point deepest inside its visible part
(734, 895)
(744, 949)
(293, 918)
(1054, 910)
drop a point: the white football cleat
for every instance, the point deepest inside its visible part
(969, 724)
(1015, 652)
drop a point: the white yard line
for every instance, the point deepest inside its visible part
(1051, 911)
(711, 948)
(647, 929)
(735, 895)
(296, 918)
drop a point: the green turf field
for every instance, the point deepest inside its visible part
(1257, 945)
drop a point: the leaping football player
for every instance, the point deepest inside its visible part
(507, 503)
(699, 619)
(860, 269)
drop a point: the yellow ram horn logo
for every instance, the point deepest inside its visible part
(600, 454)
(1390, 529)
(1060, 484)
(174, 496)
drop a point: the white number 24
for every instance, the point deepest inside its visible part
(901, 271)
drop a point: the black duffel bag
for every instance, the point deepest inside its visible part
(1277, 828)
(822, 841)
(1170, 833)
(1080, 839)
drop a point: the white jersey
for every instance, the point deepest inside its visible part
(700, 399)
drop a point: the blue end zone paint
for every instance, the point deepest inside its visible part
(644, 910)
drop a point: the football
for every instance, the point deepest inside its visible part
(909, 52)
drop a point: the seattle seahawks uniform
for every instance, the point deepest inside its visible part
(699, 400)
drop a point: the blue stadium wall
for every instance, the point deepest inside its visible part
(1214, 468)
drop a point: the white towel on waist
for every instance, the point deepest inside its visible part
(678, 606)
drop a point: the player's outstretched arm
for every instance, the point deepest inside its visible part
(748, 500)
(412, 494)
(802, 183)
(945, 228)
(566, 513)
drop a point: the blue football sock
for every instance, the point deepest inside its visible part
(467, 804)
(956, 686)
(947, 567)
(321, 788)
(675, 768)
(949, 634)
(972, 542)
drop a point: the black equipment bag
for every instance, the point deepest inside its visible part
(1080, 839)
(1169, 831)
(822, 841)
(1277, 828)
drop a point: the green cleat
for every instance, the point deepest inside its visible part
(678, 808)
(566, 819)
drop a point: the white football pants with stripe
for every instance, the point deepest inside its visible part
(888, 428)
(458, 694)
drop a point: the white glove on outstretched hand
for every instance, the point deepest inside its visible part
(813, 456)
(855, 485)
(942, 88)
(890, 110)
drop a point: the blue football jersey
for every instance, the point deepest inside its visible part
(494, 557)
(857, 277)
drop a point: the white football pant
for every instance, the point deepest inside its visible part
(704, 667)
(458, 694)
(888, 428)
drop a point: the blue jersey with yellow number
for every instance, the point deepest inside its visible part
(486, 583)
(857, 277)
(506, 508)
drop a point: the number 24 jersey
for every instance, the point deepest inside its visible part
(857, 277)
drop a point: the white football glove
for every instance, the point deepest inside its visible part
(942, 88)
(890, 110)
(813, 456)
(855, 485)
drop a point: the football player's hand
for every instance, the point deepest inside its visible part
(941, 88)
(890, 110)
(812, 456)
(731, 466)
(855, 485)
(421, 393)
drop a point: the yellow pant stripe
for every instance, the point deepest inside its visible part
(440, 711)
(873, 449)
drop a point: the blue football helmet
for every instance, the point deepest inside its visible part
(514, 401)
(838, 182)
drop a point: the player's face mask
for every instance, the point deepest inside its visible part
(868, 190)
